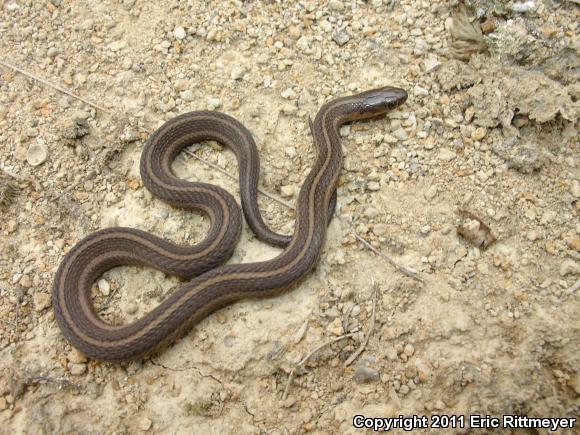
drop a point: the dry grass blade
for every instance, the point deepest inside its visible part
(467, 37)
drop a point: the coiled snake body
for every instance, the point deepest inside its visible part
(211, 285)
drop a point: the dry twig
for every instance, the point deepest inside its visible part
(307, 357)
(53, 86)
(362, 346)
(404, 270)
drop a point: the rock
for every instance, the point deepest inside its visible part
(335, 327)
(37, 154)
(117, 45)
(131, 308)
(288, 93)
(42, 301)
(431, 63)
(420, 91)
(431, 192)
(575, 188)
(363, 375)
(76, 357)
(373, 186)
(380, 229)
(145, 423)
(532, 235)
(400, 134)
(75, 128)
(478, 133)
(214, 103)
(237, 72)
(3, 404)
(104, 287)
(446, 155)
(25, 281)
(523, 157)
(341, 37)
(287, 191)
(569, 267)
(409, 350)
(179, 33)
(391, 354)
(78, 369)
(335, 5)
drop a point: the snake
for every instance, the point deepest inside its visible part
(209, 283)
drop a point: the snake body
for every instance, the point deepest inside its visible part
(211, 284)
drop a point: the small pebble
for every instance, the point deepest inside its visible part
(179, 33)
(25, 281)
(78, 369)
(145, 423)
(287, 191)
(37, 154)
(446, 155)
(42, 301)
(569, 267)
(341, 37)
(214, 103)
(391, 354)
(335, 5)
(478, 133)
(104, 287)
(409, 350)
(131, 308)
(575, 188)
(76, 357)
(363, 375)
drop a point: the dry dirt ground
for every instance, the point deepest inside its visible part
(489, 128)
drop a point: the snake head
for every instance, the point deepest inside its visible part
(378, 101)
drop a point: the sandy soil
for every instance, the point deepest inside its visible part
(489, 128)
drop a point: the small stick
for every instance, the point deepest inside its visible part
(62, 382)
(404, 270)
(362, 346)
(53, 86)
(90, 176)
(307, 357)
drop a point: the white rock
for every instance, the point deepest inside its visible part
(179, 33)
(569, 267)
(78, 369)
(575, 188)
(104, 287)
(446, 155)
(117, 45)
(287, 191)
(420, 91)
(431, 63)
(335, 5)
(37, 154)
(288, 93)
(214, 103)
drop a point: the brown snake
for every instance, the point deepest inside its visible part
(211, 285)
